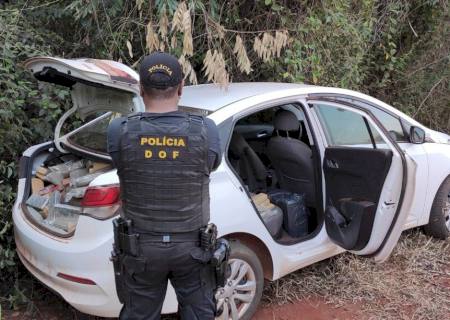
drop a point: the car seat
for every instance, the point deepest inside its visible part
(291, 158)
(247, 164)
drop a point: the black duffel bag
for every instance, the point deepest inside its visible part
(295, 212)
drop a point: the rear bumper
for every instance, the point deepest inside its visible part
(85, 255)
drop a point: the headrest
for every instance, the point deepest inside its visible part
(286, 121)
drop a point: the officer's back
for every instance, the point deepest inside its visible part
(163, 158)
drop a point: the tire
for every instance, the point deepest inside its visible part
(439, 224)
(247, 286)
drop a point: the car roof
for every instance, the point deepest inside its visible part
(212, 97)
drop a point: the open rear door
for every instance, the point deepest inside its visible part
(365, 177)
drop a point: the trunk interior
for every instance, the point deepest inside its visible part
(55, 189)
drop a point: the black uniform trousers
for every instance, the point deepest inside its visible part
(145, 281)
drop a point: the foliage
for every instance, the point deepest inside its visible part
(396, 50)
(28, 114)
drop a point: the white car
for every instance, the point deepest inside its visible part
(358, 171)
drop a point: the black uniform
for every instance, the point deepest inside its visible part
(163, 161)
(166, 197)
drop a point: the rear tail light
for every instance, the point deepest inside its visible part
(101, 196)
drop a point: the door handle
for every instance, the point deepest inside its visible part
(332, 164)
(261, 134)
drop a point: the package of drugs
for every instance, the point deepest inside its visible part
(54, 177)
(66, 167)
(44, 212)
(40, 176)
(95, 166)
(66, 182)
(66, 209)
(36, 185)
(55, 227)
(71, 227)
(35, 214)
(54, 199)
(75, 193)
(78, 173)
(85, 180)
(37, 201)
(261, 199)
(48, 189)
(42, 171)
(66, 216)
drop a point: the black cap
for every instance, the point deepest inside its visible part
(160, 70)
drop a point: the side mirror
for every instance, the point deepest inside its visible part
(416, 135)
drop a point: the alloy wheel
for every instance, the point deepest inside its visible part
(234, 299)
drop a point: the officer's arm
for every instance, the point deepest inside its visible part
(113, 139)
(214, 152)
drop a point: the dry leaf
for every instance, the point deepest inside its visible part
(188, 70)
(188, 48)
(177, 21)
(130, 49)
(214, 67)
(139, 4)
(270, 46)
(241, 54)
(173, 42)
(163, 25)
(152, 38)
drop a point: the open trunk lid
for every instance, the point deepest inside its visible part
(96, 86)
(67, 72)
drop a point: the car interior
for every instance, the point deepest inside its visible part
(272, 153)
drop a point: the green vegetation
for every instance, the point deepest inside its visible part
(395, 50)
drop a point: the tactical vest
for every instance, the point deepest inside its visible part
(164, 173)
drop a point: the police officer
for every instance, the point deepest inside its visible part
(163, 158)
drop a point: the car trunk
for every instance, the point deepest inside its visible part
(60, 174)
(57, 186)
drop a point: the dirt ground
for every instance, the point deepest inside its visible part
(413, 284)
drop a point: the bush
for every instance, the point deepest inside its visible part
(27, 116)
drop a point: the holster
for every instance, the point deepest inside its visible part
(220, 253)
(116, 259)
(125, 242)
(219, 262)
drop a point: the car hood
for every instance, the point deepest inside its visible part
(438, 137)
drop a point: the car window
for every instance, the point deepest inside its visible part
(262, 117)
(346, 128)
(93, 136)
(390, 122)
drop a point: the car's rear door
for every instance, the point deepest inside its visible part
(365, 177)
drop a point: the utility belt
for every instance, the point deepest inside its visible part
(127, 242)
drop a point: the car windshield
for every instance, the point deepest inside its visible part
(92, 135)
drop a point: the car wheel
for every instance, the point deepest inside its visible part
(439, 224)
(240, 296)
